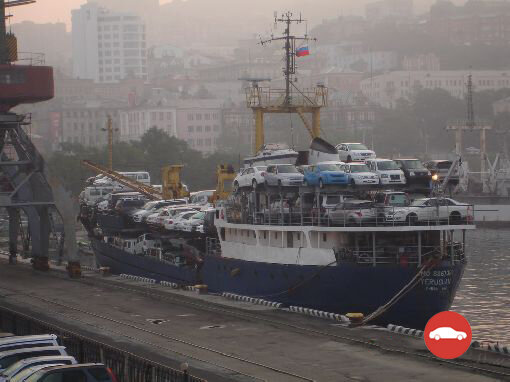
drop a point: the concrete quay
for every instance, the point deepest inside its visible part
(225, 340)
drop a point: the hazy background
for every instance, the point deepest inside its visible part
(45, 11)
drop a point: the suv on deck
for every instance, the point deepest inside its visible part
(354, 152)
(415, 172)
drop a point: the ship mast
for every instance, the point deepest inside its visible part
(291, 99)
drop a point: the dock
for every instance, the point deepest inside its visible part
(222, 339)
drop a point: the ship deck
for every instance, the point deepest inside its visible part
(224, 340)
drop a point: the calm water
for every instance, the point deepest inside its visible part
(484, 293)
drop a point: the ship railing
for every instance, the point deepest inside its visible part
(404, 255)
(375, 217)
(31, 59)
(268, 97)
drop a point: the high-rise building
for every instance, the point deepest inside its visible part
(108, 46)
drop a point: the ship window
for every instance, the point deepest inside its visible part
(298, 234)
(265, 236)
(254, 235)
(276, 235)
(12, 77)
(324, 237)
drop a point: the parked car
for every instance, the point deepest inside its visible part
(431, 210)
(351, 212)
(250, 177)
(22, 376)
(7, 358)
(20, 342)
(388, 171)
(90, 195)
(360, 174)
(354, 152)
(195, 222)
(441, 169)
(201, 197)
(172, 212)
(415, 172)
(87, 372)
(326, 173)
(149, 208)
(283, 175)
(127, 206)
(173, 225)
(325, 204)
(23, 364)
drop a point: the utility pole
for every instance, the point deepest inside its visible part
(109, 128)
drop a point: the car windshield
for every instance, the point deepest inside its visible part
(200, 215)
(360, 168)
(418, 202)
(413, 164)
(398, 200)
(287, 169)
(387, 165)
(329, 167)
(261, 168)
(357, 146)
(333, 199)
(444, 165)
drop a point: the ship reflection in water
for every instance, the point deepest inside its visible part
(484, 293)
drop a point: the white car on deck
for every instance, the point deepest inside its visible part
(176, 222)
(360, 174)
(354, 152)
(431, 210)
(388, 170)
(250, 177)
(283, 175)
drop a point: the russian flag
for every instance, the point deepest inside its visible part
(303, 51)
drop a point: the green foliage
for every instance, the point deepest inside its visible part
(155, 150)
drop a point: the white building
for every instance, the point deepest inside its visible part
(135, 122)
(107, 46)
(385, 89)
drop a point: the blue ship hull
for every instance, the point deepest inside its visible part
(338, 289)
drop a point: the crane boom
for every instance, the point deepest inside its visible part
(148, 191)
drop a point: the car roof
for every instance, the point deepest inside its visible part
(356, 201)
(381, 160)
(351, 143)
(26, 350)
(47, 358)
(77, 366)
(17, 339)
(356, 164)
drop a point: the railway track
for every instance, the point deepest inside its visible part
(233, 312)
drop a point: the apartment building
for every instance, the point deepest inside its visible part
(108, 46)
(385, 89)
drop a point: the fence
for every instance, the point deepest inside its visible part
(128, 367)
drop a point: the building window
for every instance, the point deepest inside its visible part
(216, 128)
(208, 142)
(191, 142)
(207, 116)
(199, 142)
(161, 116)
(190, 117)
(168, 115)
(199, 129)
(191, 129)
(207, 129)
(199, 117)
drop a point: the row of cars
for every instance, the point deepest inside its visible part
(370, 172)
(380, 208)
(40, 358)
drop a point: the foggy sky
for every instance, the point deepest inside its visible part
(60, 10)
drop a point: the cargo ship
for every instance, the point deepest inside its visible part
(281, 241)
